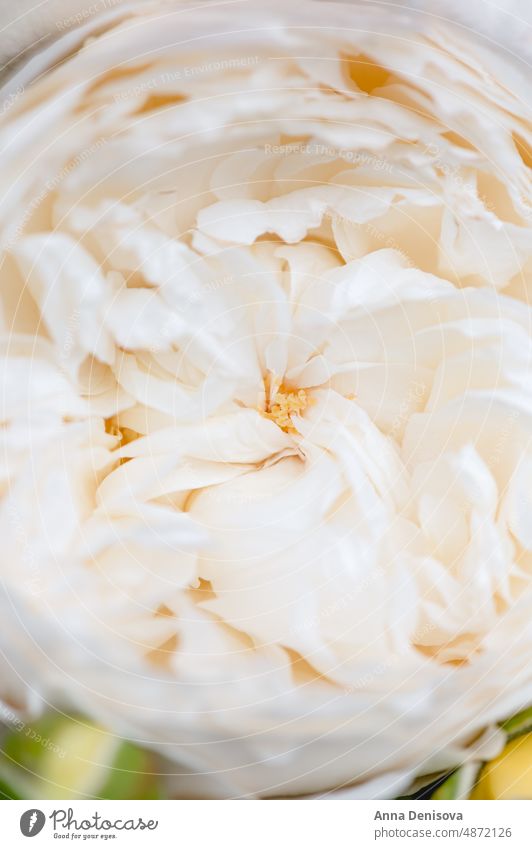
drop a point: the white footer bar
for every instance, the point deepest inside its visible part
(267, 824)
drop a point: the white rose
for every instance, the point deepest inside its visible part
(267, 405)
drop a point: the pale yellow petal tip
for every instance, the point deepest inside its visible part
(509, 776)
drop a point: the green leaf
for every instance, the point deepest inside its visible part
(71, 758)
(7, 791)
(26, 744)
(459, 784)
(520, 723)
(14, 783)
(131, 775)
(424, 785)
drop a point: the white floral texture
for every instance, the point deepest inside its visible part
(267, 397)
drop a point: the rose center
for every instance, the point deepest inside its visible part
(285, 403)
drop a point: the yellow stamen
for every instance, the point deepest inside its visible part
(124, 435)
(112, 427)
(286, 403)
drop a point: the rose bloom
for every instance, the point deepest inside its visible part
(267, 400)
